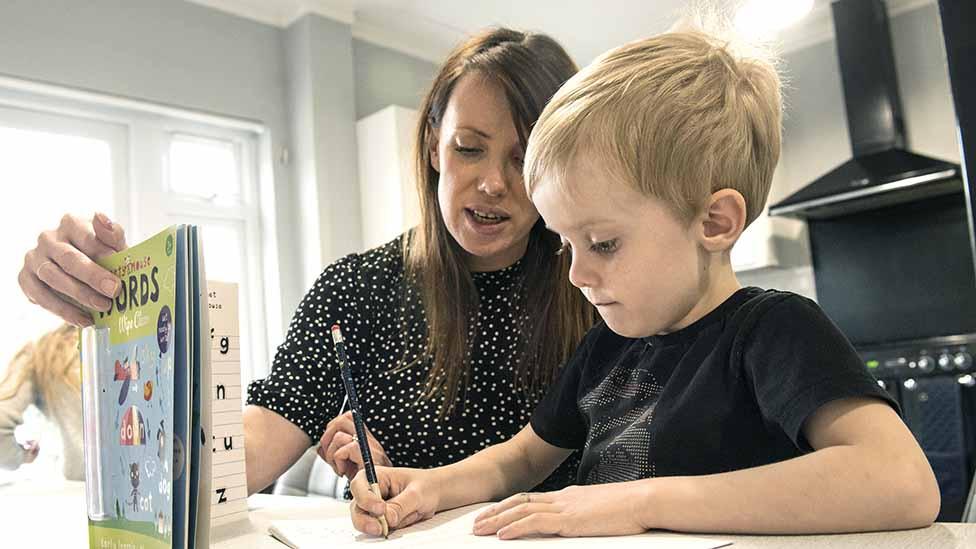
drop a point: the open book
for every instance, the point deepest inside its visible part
(452, 529)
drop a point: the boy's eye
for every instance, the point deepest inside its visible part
(606, 247)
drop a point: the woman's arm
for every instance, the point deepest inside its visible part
(12, 454)
(837, 488)
(272, 445)
(410, 495)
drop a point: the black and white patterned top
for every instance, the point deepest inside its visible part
(368, 296)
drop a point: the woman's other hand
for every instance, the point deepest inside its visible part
(31, 449)
(340, 449)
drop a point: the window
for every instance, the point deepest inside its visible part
(206, 168)
(206, 186)
(146, 167)
(57, 164)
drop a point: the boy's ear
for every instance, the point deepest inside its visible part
(432, 148)
(723, 220)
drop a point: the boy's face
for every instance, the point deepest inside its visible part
(631, 257)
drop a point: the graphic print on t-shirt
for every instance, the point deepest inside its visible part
(621, 409)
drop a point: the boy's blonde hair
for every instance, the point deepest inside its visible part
(676, 116)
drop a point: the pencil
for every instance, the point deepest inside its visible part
(357, 420)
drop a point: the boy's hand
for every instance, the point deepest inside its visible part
(409, 496)
(599, 510)
(339, 448)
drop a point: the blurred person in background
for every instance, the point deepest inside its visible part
(47, 374)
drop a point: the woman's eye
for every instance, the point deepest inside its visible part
(467, 151)
(605, 247)
(564, 248)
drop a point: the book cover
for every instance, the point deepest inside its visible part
(129, 398)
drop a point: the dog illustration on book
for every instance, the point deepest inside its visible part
(161, 440)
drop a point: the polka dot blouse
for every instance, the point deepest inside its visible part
(367, 294)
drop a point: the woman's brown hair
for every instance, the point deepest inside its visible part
(554, 316)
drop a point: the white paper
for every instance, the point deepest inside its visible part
(452, 529)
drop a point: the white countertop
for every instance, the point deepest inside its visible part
(52, 514)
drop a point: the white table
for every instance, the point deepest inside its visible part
(52, 514)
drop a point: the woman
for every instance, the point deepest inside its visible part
(454, 329)
(46, 374)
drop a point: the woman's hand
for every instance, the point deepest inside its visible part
(59, 274)
(31, 449)
(340, 449)
(409, 496)
(598, 510)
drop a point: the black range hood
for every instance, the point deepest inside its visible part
(882, 173)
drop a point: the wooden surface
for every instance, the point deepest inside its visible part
(36, 514)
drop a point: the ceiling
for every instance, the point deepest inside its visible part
(430, 28)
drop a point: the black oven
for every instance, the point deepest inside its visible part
(899, 282)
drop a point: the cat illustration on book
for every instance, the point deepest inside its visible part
(134, 479)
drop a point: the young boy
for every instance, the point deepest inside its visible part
(699, 405)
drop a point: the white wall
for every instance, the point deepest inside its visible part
(815, 138)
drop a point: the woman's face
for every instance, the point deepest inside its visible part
(477, 153)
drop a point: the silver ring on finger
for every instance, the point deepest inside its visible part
(37, 271)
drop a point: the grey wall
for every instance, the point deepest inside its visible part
(175, 53)
(385, 77)
(322, 104)
(815, 137)
(306, 84)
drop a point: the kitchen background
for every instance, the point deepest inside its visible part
(302, 111)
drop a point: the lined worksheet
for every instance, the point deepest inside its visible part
(228, 492)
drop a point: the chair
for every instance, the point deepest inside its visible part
(310, 476)
(969, 513)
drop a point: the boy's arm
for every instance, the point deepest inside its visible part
(499, 471)
(836, 488)
(410, 495)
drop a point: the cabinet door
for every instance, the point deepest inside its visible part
(388, 195)
(755, 250)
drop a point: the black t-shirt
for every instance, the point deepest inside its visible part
(368, 295)
(729, 392)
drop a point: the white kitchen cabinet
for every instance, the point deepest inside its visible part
(771, 243)
(388, 196)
